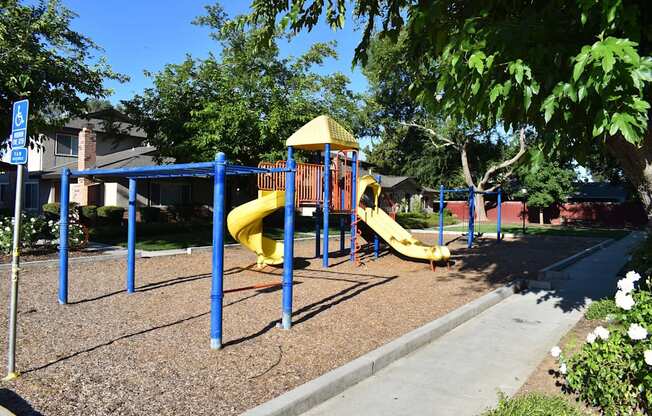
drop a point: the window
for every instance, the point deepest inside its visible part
(31, 196)
(66, 145)
(164, 194)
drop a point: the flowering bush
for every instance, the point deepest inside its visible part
(613, 370)
(37, 229)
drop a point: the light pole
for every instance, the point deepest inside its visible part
(524, 192)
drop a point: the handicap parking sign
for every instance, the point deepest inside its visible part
(19, 118)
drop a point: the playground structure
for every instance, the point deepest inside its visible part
(330, 191)
(340, 191)
(470, 235)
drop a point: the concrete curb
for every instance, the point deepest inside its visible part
(556, 270)
(312, 393)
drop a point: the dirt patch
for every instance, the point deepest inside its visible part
(148, 353)
(546, 378)
(47, 254)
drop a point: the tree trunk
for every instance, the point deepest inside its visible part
(480, 211)
(637, 166)
(541, 216)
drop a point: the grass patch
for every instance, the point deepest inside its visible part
(153, 237)
(550, 230)
(417, 220)
(535, 404)
(600, 309)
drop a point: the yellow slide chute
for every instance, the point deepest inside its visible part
(390, 231)
(245, 224)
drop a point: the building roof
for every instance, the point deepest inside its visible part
(137, 156)
(599, 192)
(320, 131)
(109, 121)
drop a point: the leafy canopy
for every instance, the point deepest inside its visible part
(43, 59)
(548, 184)
(573, 69)
(245, 102)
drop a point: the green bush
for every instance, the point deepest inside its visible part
(613, 370)
(600, 309)
(88, 214)
(534, 404)
(150, 214)
(110, 215)
(35, 229)
(53, 210)
(418, 220)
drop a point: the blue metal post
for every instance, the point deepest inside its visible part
(441, 215)
(354, 201)
(217, 292)
(131, 238)
(327, 196)
(469, 238)
(376, 238)
(288, 243)
(317, 231)
(342, 218)
(499, 216)
(63, 236)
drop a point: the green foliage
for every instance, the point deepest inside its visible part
(612, 373)
(600, 309)
(642, 259)
(548, 184)
(35, 229)
(88, 214)
(245, 103)
(150, 214)
(44, 60)
(111, 214)
(532, 404)
(53, 210)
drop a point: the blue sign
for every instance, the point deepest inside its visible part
(19, 139)
(19, 116)
(19, 156)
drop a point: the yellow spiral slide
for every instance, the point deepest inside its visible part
(245, 224)
(389, 230)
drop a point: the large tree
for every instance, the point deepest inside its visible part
(435, 148)
(243, 102)
(578, 71)
(43, 59)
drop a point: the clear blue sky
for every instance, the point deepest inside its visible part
(139, 35)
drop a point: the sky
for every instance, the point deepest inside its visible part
(138, 35)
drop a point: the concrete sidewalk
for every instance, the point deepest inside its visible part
(462, 372)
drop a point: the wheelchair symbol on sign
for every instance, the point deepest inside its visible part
(19, 119)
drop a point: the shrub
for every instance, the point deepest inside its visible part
(53, 210)
(88, 214)
(76, 234)
(534, 404)
(613, 370)
(150, 214)
(110, 215)
(35, 229)
(600, 309)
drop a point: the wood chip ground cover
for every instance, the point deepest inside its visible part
(148, 353)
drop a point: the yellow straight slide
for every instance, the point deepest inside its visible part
(245, 224)
(390, 231)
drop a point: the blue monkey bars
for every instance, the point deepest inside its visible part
(219, 170)
(471, 202)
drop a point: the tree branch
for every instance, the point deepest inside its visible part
(465, 165)
(433, 135)
(507, 163)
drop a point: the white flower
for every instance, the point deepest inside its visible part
(637, 332)
(633, 276)
(624, 301)
(590, 338)
(33, 219)
(626, 285)
(563, 369)
(647, 354)
(7, 229)
(601, 332)
(555, 351)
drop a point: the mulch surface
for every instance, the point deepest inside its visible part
(148, 353)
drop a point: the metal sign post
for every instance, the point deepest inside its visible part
(18, 157)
